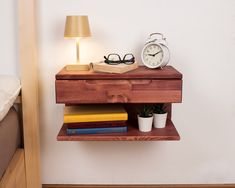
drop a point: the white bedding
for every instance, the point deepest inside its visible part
(9, 90)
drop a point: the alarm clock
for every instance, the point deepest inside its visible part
(155, 52)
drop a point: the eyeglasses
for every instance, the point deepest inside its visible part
(115, 59)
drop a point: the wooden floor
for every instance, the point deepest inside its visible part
(14, 176)
(145, 186)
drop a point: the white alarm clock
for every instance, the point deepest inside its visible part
(155, 52)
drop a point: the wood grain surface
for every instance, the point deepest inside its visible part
(14, 176)
(118, 91)
(29, 79)
(144, 186)
(135, 88)
(142, 72)
(133, 134)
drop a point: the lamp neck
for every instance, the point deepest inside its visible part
(77, 44)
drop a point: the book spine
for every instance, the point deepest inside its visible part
(97, 130)
(75, 118)
(101, 124)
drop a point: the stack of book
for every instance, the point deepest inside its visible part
(95, 119)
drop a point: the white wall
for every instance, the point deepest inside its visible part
(8, 38)
(201, 35)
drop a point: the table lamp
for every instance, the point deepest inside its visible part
(77, 27)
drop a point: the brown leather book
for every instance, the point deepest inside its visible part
(100, 124)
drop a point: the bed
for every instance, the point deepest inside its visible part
(23, 170)
(12, 164)
(10, 138)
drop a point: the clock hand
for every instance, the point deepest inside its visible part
(151, 55)
(157, 53)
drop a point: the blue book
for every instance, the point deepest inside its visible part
(97, 130)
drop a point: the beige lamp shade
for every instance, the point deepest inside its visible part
(77, 26)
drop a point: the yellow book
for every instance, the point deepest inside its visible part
(94, 113)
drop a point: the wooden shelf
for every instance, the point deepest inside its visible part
(132, 89)
(133, 134)
(142, 72)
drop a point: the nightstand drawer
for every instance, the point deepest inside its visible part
(119, 91)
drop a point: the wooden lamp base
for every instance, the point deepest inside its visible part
(78, 67)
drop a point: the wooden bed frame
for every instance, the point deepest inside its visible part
(24, 169)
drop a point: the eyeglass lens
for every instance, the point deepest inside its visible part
(128, 59)
(114, 57)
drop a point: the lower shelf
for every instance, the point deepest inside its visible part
(133, 134)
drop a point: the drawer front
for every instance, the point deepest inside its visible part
(118, 91)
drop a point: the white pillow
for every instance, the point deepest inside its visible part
(9, 90)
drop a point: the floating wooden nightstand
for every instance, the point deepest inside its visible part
(133, 88)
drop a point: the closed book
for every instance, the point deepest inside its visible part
(94, 113)
(101, 124)
(119, 68)
(97, 130)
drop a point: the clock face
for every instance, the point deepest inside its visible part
(152, 55)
